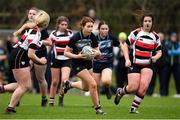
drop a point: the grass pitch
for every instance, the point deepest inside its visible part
(80, 107)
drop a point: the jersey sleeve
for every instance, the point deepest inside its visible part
(158, 44)
(115, 41)
(71, 43)
(94, 43)
(44, 34)
(70, 33)
(34, 39)
(131, 37)
(52, 36)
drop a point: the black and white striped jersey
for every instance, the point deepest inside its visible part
(30, 39)
(60, 40)
(143, 44)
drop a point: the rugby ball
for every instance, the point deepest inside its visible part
(87, 51)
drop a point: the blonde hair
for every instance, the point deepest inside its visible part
(41, 20)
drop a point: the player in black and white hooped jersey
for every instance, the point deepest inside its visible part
(144, 41)
(21, 55)
(38, 71)
(60, 65)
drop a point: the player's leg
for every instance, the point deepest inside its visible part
(132, 87)
(106, 78)
(65, 72)
(86, 77)
(40, 71)
(55, 73)
(145, 79)
(23, 78)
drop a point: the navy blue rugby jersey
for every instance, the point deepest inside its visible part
(44, 35)
(106, 47)
(78, 41)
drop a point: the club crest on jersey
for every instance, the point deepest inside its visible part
(109, 44)
(77, 68)
(23, 62)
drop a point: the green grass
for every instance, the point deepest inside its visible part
(80, 107)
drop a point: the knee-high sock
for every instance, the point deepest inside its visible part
(137, 101)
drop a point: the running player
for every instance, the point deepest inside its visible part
(60, 65)
(102, 67)
(80, 64)
(144, 41)
(25, 50)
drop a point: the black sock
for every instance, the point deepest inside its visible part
(97, 107)
(44, 98)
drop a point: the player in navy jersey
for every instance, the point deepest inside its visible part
(12, 84)
(80, 64)
(144, 41)
(60, 65)
(3, 57)
(102, 67)
(24, 51)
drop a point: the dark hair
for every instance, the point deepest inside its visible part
(61, 19)
(147, 14)
(101, 23)
(85, 20)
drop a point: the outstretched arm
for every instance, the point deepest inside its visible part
(124, 48)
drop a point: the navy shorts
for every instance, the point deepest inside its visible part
(79, 66)
(98, 67)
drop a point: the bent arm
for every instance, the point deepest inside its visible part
(34, 58)
(68, 53)
(157, 56)
(47, 42)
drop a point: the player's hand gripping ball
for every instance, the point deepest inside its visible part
(87, 52)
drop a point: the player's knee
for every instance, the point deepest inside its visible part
(106, 83)
(26, 88)
(54, 83)
(86, 89)
(41, 81)
(93, 85)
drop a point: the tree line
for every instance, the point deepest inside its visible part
(121, 15)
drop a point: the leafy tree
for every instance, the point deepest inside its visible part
(121, 15)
